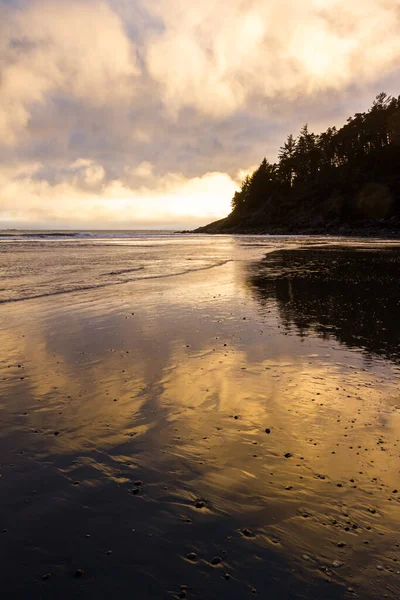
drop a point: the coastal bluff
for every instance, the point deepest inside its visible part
(343, 181)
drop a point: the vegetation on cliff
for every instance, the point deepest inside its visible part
(342, 179)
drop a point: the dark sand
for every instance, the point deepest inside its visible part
(135, 461)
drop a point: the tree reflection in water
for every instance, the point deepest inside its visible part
(350, 293)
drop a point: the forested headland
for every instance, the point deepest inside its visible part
(343, 180)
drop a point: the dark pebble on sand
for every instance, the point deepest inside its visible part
(246, 532)
(79, 572)
(138, 482)
(200, 504)
(56, 433)
(288, 455)
(216, 560)
(135, 491)
(267, 430)
(340, 544)
(46, 576)
(227, 576)
(191, 556)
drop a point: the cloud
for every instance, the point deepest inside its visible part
(143, 170)
(77, 198)
(131, 111)
(74, 47)
(217, 56)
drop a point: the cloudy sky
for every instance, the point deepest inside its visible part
(147, 113)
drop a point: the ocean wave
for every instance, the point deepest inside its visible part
(111, 283)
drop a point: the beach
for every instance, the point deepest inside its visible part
(199, 417)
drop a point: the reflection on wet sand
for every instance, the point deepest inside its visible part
(351, 294)
(224, 457)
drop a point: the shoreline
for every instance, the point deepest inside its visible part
(135, 445)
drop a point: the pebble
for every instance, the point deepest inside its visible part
(336, 564)
(246, 532)
(267, 430)
(288, 455)
(216, 560)
(191, 556)
(46, 576)
(200, 504)
(79, 572)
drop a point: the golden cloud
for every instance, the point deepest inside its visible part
(215, 56)
(175, 199)
(75, 47)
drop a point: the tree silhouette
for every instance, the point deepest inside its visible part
(327, 179)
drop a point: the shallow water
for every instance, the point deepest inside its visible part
(173, 382)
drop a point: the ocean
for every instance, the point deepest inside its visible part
(34, 264)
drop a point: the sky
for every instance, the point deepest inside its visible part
(146, 114)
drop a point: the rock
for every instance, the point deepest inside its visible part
(268, 430)
(79, 572)
(46, 576)
(138, 482)
(199, 504)
(340, 544)
(216, 560)
(56, 433)
(288, 455)
(135, 491)
(227, 576)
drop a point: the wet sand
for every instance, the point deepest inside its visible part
(222, 434)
